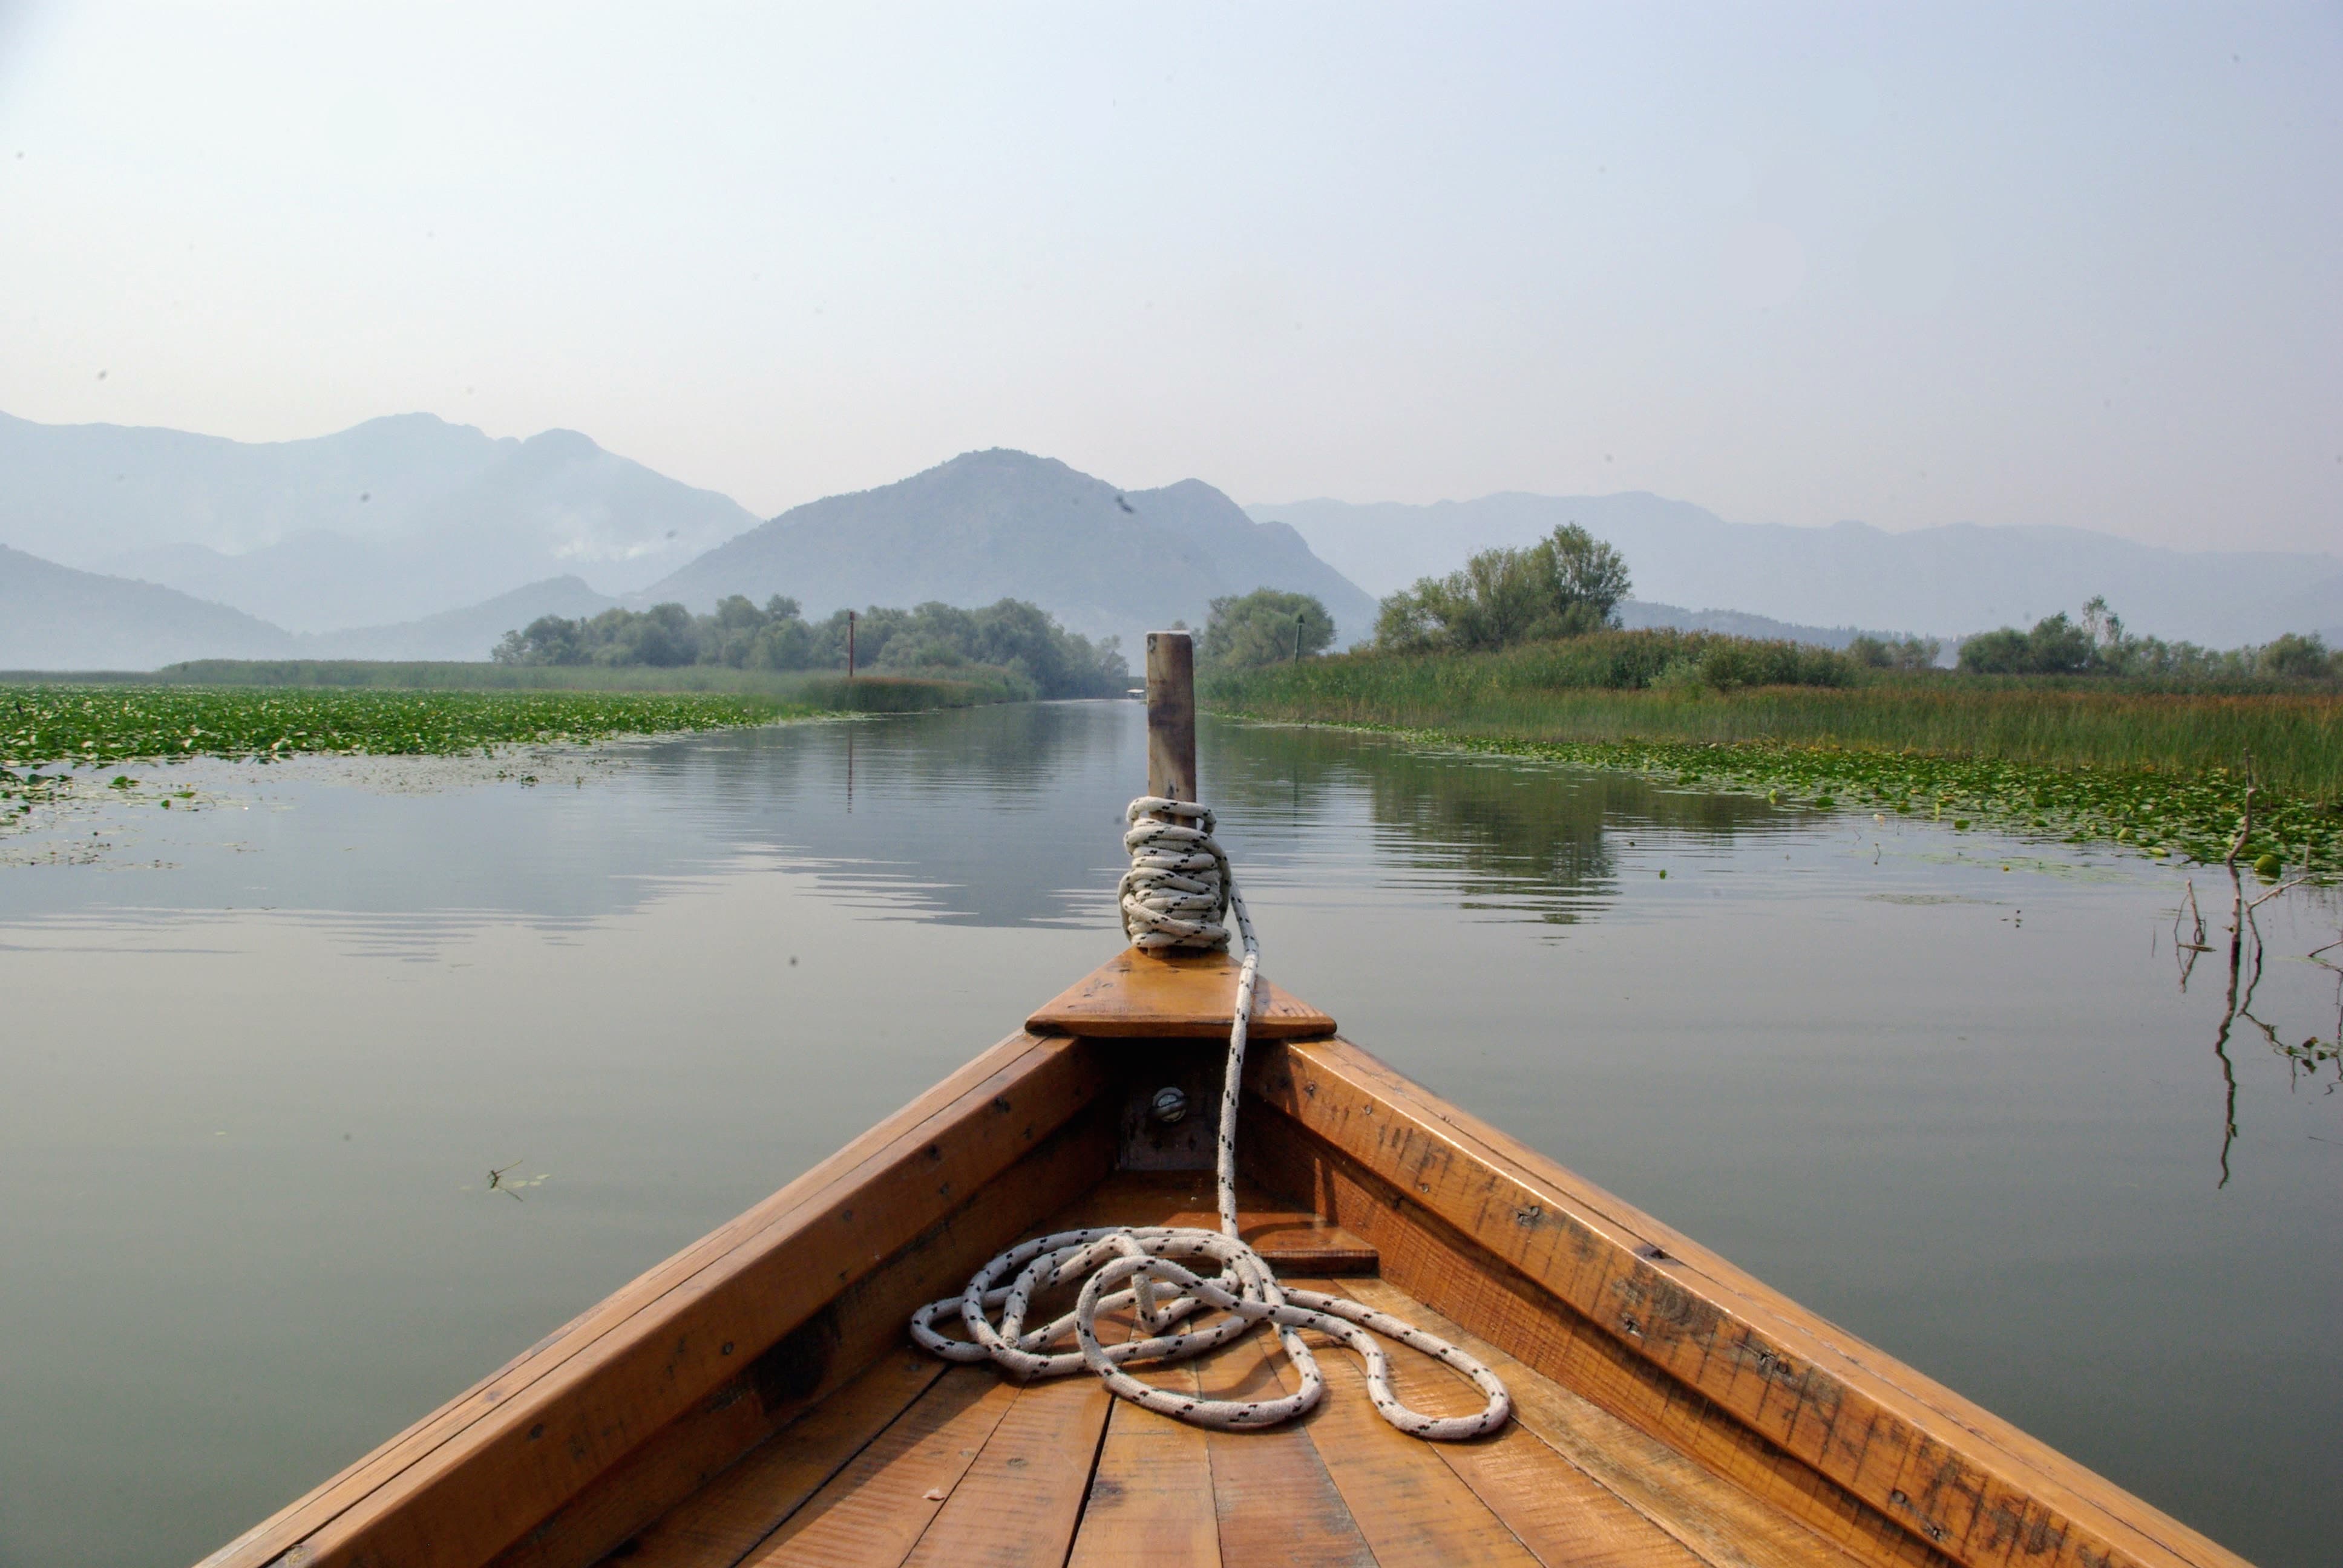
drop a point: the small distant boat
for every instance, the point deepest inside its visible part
(754, 1401)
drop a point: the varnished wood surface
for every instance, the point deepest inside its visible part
(1676, 1339)
(975, 1469)
(1137, 995)
(972, 1468)
(1151, 1496)
(1294, 1240)
(750, 1401)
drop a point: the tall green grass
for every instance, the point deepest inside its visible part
(2296, 739)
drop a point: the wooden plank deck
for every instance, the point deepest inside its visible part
(913, 1463)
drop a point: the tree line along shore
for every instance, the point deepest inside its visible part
(2076, 729)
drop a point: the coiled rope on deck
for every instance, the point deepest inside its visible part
(1181, 894)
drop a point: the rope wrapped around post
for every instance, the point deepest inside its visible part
(1179, 893)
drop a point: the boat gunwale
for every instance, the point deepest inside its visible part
(335, 1520)
(1593, 1252)
(1582, 1248)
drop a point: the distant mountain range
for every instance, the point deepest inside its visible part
(1008, 525)
(411, 537)
(1942, 581)
(1637, 614)
(54, 617)
(390, 520)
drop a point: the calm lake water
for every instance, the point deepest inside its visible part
(1945, 1089)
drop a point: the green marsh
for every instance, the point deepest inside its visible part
(46, 725)
(2162, 771)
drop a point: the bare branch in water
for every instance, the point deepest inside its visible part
(2245, 823)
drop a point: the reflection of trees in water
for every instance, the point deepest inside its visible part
(1533, 836)
(1011, 750)
(958, 816)
(2306, 1060)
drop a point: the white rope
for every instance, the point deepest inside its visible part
(1181, 894)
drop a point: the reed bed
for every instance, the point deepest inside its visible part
(966, 687)
(2296, 739)
(2162, 769)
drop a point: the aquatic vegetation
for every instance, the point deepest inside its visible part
(1591, 690)
(2159, 813)
(966, 686)
(2158, 770)
(42, 727)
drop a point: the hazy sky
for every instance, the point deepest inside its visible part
(2056, 264)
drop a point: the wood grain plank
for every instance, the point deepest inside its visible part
(1294, 1239)
(1273, 1499)
(1412, 1510)
(469, 1479)
(1559, 1513)
(1951, 1474)
(862, 1323)
(1708, 1518)
(1436, 1265)
(1151, 1498)
(1017, 1504)
(718, 1526)
(1173, 996)
(874, 1510)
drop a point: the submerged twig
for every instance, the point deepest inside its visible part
(496, 1177)
(2282, 888)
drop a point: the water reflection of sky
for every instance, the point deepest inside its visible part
(1943, 1086)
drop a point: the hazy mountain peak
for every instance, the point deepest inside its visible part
(569, 444)
(1948, 580)
(1001, 524)
(396, 517)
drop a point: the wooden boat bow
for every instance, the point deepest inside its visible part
(752, 1399)
(1668, 1405)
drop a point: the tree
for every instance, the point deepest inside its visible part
(547, 640)
(1265, 626)
(1886, 653)
(1589, 576)
(1566, 585)
(2056, 646)
(2294, 656)
(1011, 634)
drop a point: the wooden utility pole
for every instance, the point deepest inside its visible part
(1171, 715)
(850, 645)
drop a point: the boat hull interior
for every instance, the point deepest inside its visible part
(754, 1400)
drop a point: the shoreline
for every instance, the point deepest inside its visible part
(2164, 817)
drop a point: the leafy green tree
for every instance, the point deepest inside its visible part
(1889, 653)
(2056, 646)
(2294, 656)
(1265, 626)
(1590, 577)
(665, 636)
(1011, 634)
(547, 640)
(1566, 585)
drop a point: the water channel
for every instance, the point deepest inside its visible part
(1946, 1088)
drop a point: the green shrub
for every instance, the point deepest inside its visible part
(1263, 627)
